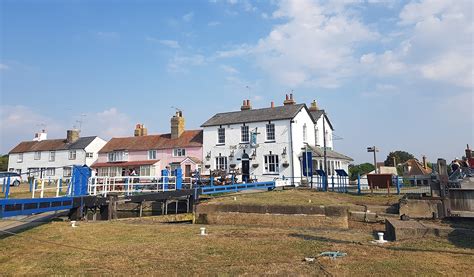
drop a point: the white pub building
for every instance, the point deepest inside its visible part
(267, 144)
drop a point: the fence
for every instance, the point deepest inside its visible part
(39, 187)
(131, 184)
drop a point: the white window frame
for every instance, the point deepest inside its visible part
(89, 155)
(19, 158)
(145, 170)
(37, 155)
(52, 156)
(72, 155)
(221, 135)
(152, 154)
(270, 132)
(50, 171)
(179, 152)
(117, 156)
(34, 171)
(221, 163)
(316, 136)
(244, 134)
(271, 164)
(67, 171)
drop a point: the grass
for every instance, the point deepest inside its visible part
(306, 197)
(144, 247)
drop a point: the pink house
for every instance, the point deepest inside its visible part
(149, 154)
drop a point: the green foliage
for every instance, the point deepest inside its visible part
(400, 157)
(4, 163)
(359, 169)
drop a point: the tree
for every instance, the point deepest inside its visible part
(400, 157)
(4, 163)
(360, 169)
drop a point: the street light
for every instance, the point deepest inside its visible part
(374, 150)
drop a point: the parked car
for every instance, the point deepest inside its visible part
(15, 178)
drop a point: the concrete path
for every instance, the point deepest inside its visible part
(19, 223)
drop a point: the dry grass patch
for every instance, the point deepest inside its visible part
(138, 247)
(305, 197)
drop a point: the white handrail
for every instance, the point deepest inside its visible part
(102, 185)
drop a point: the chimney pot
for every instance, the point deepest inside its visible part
(289, 100)
(72, 135)
(314, 106)
(246, 105)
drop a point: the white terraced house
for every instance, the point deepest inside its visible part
(265, 144)
(54, 158)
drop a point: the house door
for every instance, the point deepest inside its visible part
(187, 170)
(245, 168)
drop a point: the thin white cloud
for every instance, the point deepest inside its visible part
(229, 69)
(213, 23)
(110, 123)
(436, 44)
(3, 66)
(315, 47)
(182, 63)
(166, 42)
(188, 17)
(108, 35)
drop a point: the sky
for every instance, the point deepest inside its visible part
(394, 74)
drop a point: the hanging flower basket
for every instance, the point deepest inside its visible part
(232, 165)
(254, 165)
(207, 166)
(285, 164)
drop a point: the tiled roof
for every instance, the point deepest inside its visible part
(416, 168)
(319, 152)
(52, 145)
(193, 159)
(122, 164)
(317, 114)
(192, 138)
(255, 115)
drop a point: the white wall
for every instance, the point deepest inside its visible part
(283, 139)
(61, 159)
(233, 139)
(94, 148)
(320, 137)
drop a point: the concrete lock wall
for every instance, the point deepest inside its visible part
(273, 215)
(415, 208)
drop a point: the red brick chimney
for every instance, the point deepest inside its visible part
(246, 105)
(272, 104)
(425, 163)
(289, 100)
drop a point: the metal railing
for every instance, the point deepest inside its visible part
(47, 185)
(130, 184)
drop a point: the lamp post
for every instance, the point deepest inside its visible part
(374, 150)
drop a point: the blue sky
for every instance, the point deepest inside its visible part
(395, 74)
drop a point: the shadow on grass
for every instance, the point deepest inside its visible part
(322, 239)
(463, 234)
